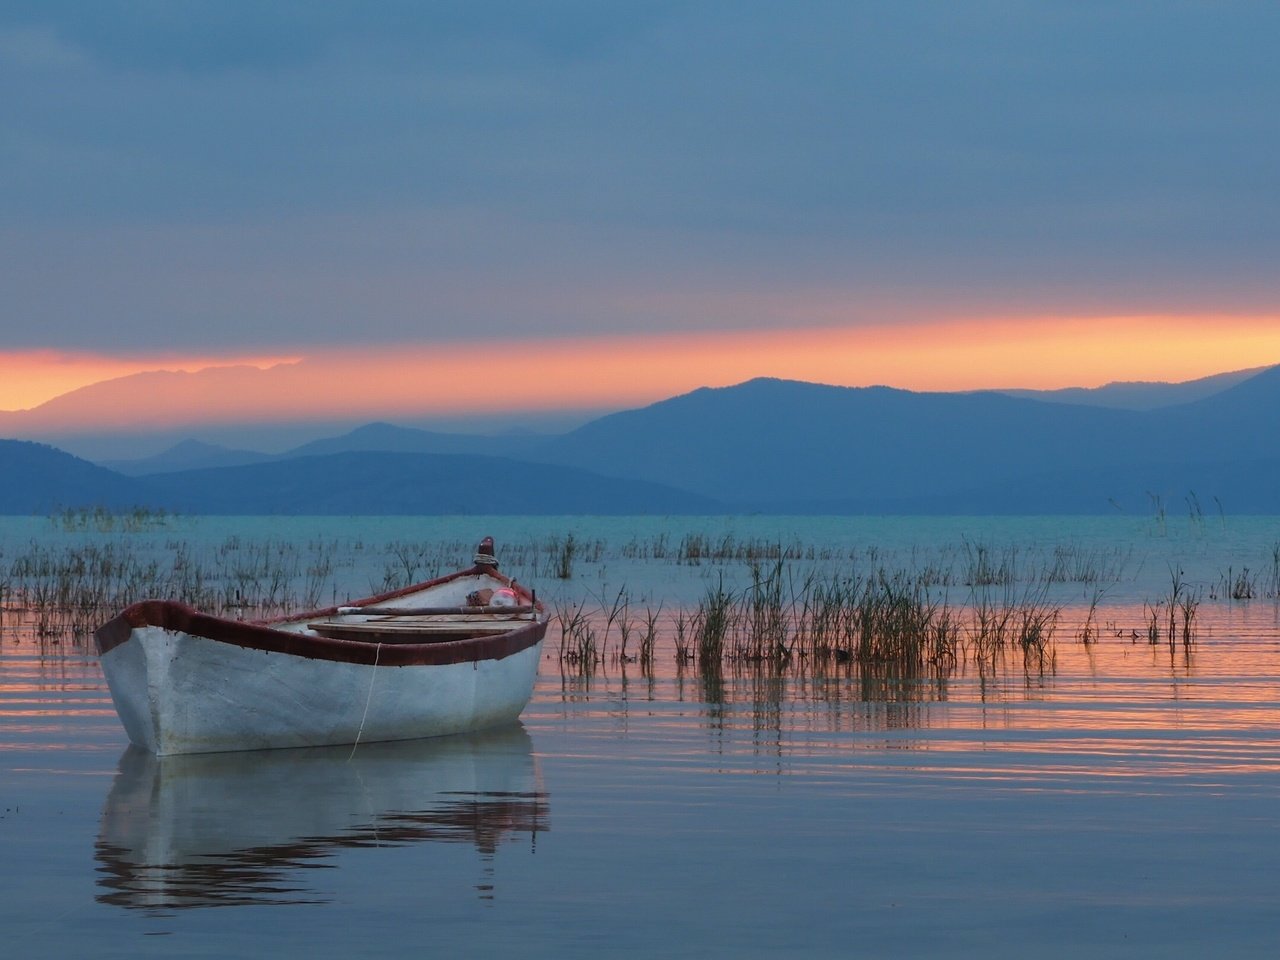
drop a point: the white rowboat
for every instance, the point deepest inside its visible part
(431, 659)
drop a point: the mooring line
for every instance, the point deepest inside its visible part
(377, 653)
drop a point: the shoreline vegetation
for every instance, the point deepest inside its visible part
(765, 604)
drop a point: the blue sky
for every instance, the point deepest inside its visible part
(235, 176)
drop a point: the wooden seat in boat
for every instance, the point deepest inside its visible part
(412, 629)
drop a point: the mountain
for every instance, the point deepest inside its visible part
(764, 445)
(773, 440)
(1138, 394)
(274, 409)
(779, 445)
(388, 438)
(38, 479)
(140, 399)
(373, 437)
(413, 484)
(186, 455)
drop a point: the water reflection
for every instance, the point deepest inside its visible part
(233, 829)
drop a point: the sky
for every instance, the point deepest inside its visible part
(637, 198)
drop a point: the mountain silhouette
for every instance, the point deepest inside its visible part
(764, 445)
(39, 479)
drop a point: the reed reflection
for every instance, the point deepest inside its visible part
(235, 829)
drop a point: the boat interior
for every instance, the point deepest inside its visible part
(420, 628)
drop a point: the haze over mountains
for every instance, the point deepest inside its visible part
(764, 445)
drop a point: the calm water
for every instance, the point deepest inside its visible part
(1125, 802)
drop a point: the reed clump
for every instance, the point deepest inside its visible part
(696, 548)
(885, 618)
(985, 568)
(578, 643)
(712, 623)
(106, 520)
(563, 553)
(73, 589)
(1173, 618)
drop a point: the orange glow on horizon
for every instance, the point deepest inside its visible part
(32, 377)
(453, 379)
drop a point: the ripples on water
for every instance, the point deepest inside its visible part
(1122, 800)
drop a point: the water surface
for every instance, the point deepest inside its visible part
(1123, 801)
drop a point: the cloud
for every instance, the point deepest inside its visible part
(269, 173)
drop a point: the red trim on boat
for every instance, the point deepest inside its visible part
(262, 635)
(179, 618)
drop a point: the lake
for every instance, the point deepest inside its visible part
(1121, 799)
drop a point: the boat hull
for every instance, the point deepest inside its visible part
(178, 692)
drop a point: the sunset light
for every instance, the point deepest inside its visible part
(491, 377)
(30, 378)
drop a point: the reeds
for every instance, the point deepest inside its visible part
(711, 625)
(1173, 618)
(887, 623)
(886, 618)
(578, 645)
(563, 553)
(1089, 631)
(786, 606)
(74, 589)
(104, 520)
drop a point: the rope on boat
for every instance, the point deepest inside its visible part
(367, 700)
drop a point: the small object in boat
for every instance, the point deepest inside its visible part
(505, 597)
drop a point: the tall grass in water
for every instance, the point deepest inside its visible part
(72, 590)
(563, 553)
(883, 618)
(1239, 584)
(684, 629)
(1184, 604)
(1173, 618)
(983, 569)
(764, 617)
(1089, 629)
(711, 625)
(897, 623)
(104, 520)
(578, 646)
(649, 638)
(1008, 620)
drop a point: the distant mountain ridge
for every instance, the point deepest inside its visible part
(1140, 394)
(136, 409)
(764, 445)
(373, 437)
(398, 483)
(770, 442)
(39, 479)
(36, 479)
(186, 455)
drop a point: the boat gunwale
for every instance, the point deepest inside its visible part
(264, 636)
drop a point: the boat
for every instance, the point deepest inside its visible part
(451, 655)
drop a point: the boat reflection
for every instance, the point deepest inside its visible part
(242, 828)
